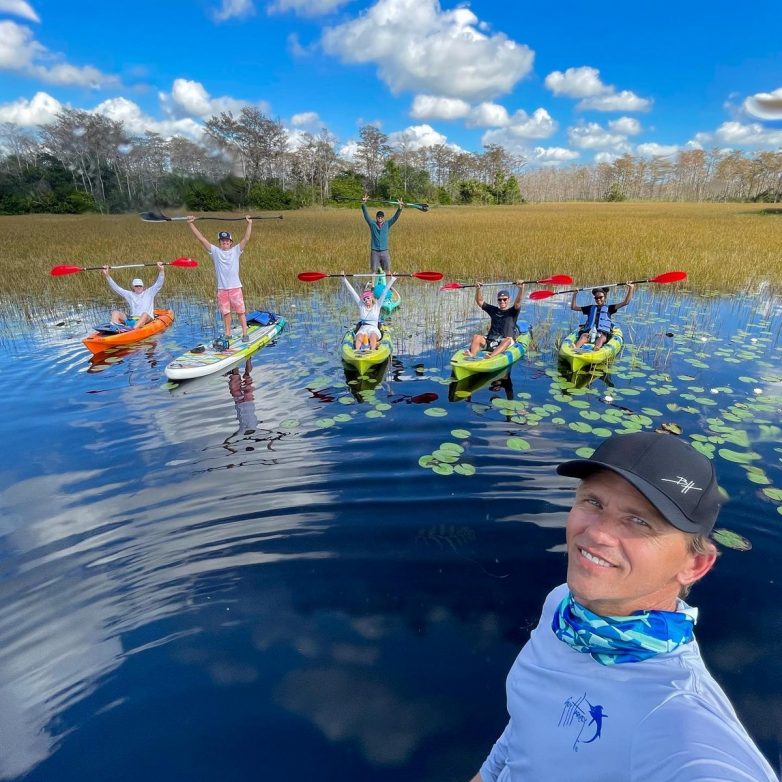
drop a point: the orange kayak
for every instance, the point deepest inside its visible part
(98, 343)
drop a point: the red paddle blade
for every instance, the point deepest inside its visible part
(59, 271)
(451, 286)
(558, 279)
(186, 263)
(428, 276)
(669, 277)
(535, 295)
(311, 276)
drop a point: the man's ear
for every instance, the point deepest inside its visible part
(698, 566)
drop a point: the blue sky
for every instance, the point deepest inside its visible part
(559, 83)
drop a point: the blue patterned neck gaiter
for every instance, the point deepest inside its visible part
(622, 639)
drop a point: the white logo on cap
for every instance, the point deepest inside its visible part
(683, 482)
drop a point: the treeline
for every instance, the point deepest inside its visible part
(689, 175)
(89, 162)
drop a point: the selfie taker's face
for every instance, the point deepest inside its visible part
(623, 556)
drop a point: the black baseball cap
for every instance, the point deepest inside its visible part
(223, 235)
(678, 481)
(380, 213)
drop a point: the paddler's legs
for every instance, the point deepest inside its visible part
(504, 345)
(117, 317)
(601, 340)
(243, 322)
(373, 341)
(142, 320)
(582, 340)
(478, 343)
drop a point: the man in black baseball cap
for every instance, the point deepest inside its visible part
(611, 684)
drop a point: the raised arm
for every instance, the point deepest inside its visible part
(396, 214)
(573, 305)
(364, 211)
(628, 296)
(158, 283)
(479, 300)
(517, 303)
(113, 285)
(198, 235)
(247, 233)
(382, 297)
(352, 291)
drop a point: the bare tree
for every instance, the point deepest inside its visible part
(371, 155)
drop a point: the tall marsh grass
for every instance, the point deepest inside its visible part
(726, 248)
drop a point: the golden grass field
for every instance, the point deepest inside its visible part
(723, 247)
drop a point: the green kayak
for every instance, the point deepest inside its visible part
(587, 355)
(464, 365)
(364, 359)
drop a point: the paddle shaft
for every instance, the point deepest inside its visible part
(158, 217)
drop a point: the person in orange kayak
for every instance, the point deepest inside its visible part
(140, 300)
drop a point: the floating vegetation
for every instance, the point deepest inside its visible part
(730, 539)
(446, 460)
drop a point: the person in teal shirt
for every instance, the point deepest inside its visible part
(379, 227)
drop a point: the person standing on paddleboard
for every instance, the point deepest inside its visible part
(502, 331)
(597, 327)
(229, 287)
(141, 301)
(611, 684)
(379, 228)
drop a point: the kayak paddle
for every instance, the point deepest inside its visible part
(555, 279)
(662, 279)
(315, 276)
(420, 207)
(59, 271)
(159, 217)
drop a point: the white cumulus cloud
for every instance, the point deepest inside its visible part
(22, 53)
(765, 105)
(19, 8)
(418, 137)
(488, 115)
(305, 7)
(234, 9)
(553, 155)
(190, 99)
(136, 121)
(628, 126)
(419, 47)
(652, 149)
(40, 110)
(306, 119)
(437, 107)
(581, 82)
(591, 135)
(752, 135)
(522, 126)
(585, 83)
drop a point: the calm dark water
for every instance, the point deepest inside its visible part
(254, 575)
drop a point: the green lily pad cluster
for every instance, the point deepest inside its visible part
(446, 460)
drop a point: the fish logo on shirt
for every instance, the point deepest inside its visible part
(574, 715)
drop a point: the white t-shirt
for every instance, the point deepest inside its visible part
(139, 303)
(226, 266)
(572, 718)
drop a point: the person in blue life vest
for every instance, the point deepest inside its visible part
(502, 331)
(598, 325)
(379, 229)
(611, 684)
(140, 300)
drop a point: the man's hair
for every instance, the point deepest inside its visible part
(697, 544)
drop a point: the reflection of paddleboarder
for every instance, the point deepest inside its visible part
(241, 387)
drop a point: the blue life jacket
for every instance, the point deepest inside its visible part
(599, 315)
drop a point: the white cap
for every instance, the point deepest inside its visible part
(137, 281)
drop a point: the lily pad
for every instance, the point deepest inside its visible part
(443, 469)
(464, 469)
(518, 444)
(773, 494)
(452, 447)
(585, 452)
(460, 434)
(730, 539)
(739, 457)
(435, 412)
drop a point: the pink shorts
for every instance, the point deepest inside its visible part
(230, 300)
